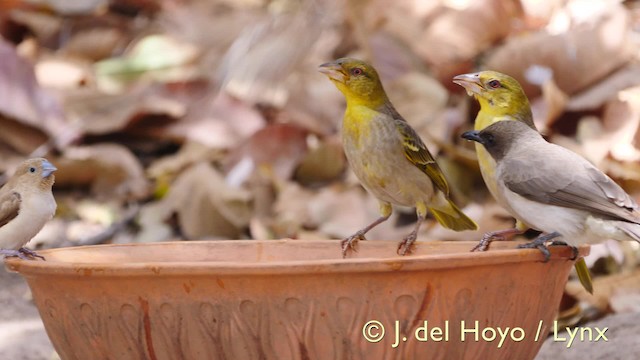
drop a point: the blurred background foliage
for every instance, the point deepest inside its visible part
(207, 119)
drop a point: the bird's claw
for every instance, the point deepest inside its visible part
(30, 253)
(405, 246)
(483, 244)
(540, 244)
(574, 250)
(22, 253)
(537, 245)
(350, 243)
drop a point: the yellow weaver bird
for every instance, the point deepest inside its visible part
(501, 98)
(387, 155)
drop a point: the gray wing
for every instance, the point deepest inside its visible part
(573, 183)
(9, 206)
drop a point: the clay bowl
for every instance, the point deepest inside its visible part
(295, 299)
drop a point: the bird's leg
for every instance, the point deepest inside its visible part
(19, 253)
(30, 253)
(405, 245)
(540, 244)
(350, 242)
(574, 249)
(500, 235)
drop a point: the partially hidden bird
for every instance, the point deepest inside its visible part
(388, 156)
(556, 190)
(501, 98)
(26, 204)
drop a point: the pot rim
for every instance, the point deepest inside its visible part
(500, 253)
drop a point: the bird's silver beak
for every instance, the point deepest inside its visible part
(470, 82)
(47, 168)
(333, 71)
(473, 136)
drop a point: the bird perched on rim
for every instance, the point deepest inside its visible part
(26, 204)
(387, 155)
(501, 98)
(556, 190)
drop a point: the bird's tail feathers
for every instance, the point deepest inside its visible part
(631, 229)
(451, 217)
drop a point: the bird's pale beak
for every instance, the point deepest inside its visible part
(473, 136)
(471, 83)
(47, 168)
(333, 71)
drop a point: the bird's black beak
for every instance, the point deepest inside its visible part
(473, 136)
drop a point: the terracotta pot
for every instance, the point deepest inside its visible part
(295, 299)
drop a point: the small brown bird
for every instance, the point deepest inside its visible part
(555, 190)
(26, 204)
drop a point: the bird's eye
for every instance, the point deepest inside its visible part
(356, 71)
(494, 84)
(489, 139)
(32, 169)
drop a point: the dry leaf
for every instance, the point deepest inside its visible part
(61, 73)
(221, 123)
(263, 56)
(455, 37)
(276, 149)
(324, 163)
(110, 170)
(22, 99)
(189, 154)
(605, 287)
(606, 89)
(547, 108)
(206, 206)
(99, 113)
(418, 97)
(96, 43)
(579, 56)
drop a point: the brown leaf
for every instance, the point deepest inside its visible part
(578, 57)
(223, 123)
(324, 163)
(601, 92)
(110, 170)
(96, 43)
(276, 149)
(22, 99)
(206, 206)
(458, 35)
(256, 65)
(99, 113)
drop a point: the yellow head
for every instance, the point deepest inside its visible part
(499, 95)
(357, 80)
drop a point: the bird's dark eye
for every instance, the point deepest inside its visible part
(32, 169)
(356, 71)
(494, 84)
(489, 139)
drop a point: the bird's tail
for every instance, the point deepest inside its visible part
(451, 217)
(631, 229)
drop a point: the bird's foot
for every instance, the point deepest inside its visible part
(405, 246)
(574, 249)
(351, 242)
(540, 244)
(488, 238)
(30, 253)
(483, 244)
(22, 253)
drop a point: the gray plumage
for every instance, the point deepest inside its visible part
(554, 189)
